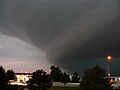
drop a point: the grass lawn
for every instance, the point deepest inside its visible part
(64, 88)
(15, 87)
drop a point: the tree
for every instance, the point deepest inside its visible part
(40, 79)
(3, 80)
(65, 78)
(93, 79)
(10, 75)
(55, 73)
(75, 78)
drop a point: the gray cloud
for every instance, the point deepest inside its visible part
(74, 31)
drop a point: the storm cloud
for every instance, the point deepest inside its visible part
(72, 34)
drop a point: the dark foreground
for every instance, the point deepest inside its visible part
(18, 87)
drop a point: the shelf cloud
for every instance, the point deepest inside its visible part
(72, 34)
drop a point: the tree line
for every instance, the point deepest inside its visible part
(93, 79)
(40, 78)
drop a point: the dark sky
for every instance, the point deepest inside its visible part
(72, 34)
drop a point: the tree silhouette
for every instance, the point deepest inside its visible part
(93, 79)
(75, 78)
(40, 79)
(10, 75)
(55, 73)
(3, 80)
(65, 78)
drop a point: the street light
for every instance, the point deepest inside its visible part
(109, 58)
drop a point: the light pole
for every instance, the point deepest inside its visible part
(109, 58)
